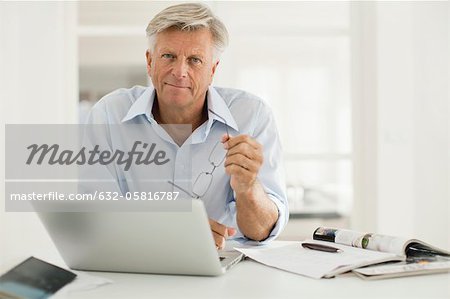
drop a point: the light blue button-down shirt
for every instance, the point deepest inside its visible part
(242, 112)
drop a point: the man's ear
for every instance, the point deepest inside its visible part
(148, 56)
(213, 71)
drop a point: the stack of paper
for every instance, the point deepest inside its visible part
(294, 258)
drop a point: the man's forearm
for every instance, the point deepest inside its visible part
(256, 213)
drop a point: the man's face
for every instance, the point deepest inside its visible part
(181, 67)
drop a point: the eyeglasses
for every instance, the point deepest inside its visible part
(203, 181)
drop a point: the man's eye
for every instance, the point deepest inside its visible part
(195, 60)
(167, 56)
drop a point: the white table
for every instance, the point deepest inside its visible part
(248, 279)
(253, 280)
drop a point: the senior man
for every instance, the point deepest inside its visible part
(244, 192)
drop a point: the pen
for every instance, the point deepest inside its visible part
(321, 247)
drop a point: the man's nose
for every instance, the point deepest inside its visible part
(180, 69)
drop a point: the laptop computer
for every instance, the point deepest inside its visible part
(156, 242)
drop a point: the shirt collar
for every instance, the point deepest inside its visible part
(142, 106)
(217, 104)
(144, 103)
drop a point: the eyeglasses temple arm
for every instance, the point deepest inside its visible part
(182, 189)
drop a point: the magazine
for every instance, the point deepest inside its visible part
(418, 257)
(299, 258)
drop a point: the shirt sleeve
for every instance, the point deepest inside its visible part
(272, 172)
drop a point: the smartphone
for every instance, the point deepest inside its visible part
(33, 279)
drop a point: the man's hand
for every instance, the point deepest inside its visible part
(256, 213)
(220, 233)
(243, 161)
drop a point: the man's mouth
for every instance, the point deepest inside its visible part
(177, 86)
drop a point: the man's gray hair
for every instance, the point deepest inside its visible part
(189, 17)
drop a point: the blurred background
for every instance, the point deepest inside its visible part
(360, 92)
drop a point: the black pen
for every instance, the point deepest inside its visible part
(321, 247)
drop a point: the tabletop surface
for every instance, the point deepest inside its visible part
(250, 279)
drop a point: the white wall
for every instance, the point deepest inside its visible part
(402, 87)
(38, 84)
(431, 122)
